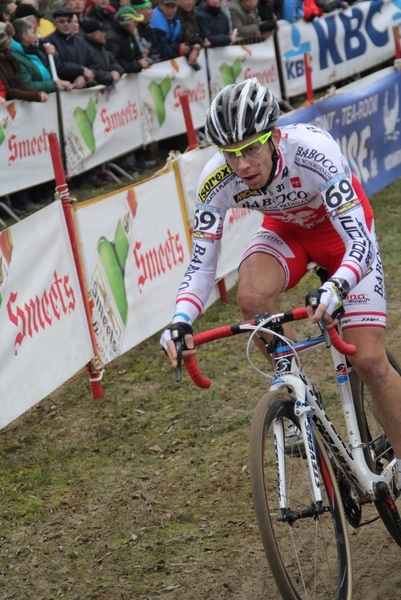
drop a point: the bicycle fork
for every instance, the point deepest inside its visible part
(303, 413)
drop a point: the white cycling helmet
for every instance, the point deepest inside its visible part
(239, 111)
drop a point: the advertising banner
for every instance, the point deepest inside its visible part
(340, 43)
(24, 148)
(135, 250)
(45, 337)
(232, 64)
(160, 89)
(100, 123)
(367, 125)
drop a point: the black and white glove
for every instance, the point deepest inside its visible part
(332, 293)
(177, 333)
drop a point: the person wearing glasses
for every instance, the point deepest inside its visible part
(314, 209)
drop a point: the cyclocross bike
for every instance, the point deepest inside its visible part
(305, 492)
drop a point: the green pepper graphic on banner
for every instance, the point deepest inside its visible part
(108, 291)
(80, 138)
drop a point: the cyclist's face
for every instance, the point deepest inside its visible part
(253, 168)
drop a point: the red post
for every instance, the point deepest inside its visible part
(223, 291)
(396, 34)
(191, 133)
(308, 78)
(62, 189)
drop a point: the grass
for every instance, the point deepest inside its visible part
(146, 493)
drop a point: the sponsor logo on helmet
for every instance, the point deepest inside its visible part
(246, 194)
(213, 180)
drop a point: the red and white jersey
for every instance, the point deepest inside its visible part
(313, 188)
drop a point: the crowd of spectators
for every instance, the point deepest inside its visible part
(91, 42)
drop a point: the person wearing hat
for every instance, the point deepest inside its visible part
(122, 42)
(108, 70)
(77, 63)
(214, 25)
(13, 88)
(145, 30)
(101, 10)
(34, 63)
(45, 27)
(168, 29)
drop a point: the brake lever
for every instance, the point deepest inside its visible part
(313, 298)
(175, 336)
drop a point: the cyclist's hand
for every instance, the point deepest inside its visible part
(329, 303)
(183, 342)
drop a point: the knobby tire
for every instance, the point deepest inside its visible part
(310, 559)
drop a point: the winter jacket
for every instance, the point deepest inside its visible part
(246, 21)
(124, 48)
(105, 16)
(214, 25)
(293, 10)
(150, 41)
(270, 11)
(189, 27)
(74, 55)
(34, 67)
(15, 88)
(168, 34)
(105, 62)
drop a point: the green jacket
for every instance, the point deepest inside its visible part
(29, 72)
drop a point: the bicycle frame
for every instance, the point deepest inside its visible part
(350, 458)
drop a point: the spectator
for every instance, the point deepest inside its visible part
(145, 31)
(245, 18)
(214, 25)
(77, 63)
(5, 12)
(101, 10)
(121, 41)
(34, 64)
(270, 10)
(45, 27)
(78, 8)
(329, 5)
(2, 93)
(293, 10)
(108, 70)
(168, 28)
(13, 88)
(190, 38)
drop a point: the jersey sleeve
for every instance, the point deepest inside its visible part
(208, 224)
(351, 215)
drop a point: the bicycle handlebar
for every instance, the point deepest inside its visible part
(210, 335)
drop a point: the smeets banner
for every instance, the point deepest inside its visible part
(24, 149)
(233, 64)
(160, 88)
(134, 246)
(100, 124)
(45, 338)
(341, 43)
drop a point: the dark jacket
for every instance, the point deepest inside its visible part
(189, 27)
(15, 88)
(270, 10)
(214, 25)
(105, 62)
(74, 54)
(149, 40)
(105, 16)
(124, 48)
(29, 72)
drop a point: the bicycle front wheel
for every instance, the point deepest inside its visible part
(378, 451)
(309, 557)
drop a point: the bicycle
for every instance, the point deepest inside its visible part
(305, 494)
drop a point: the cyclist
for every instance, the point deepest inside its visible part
(314, 209)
